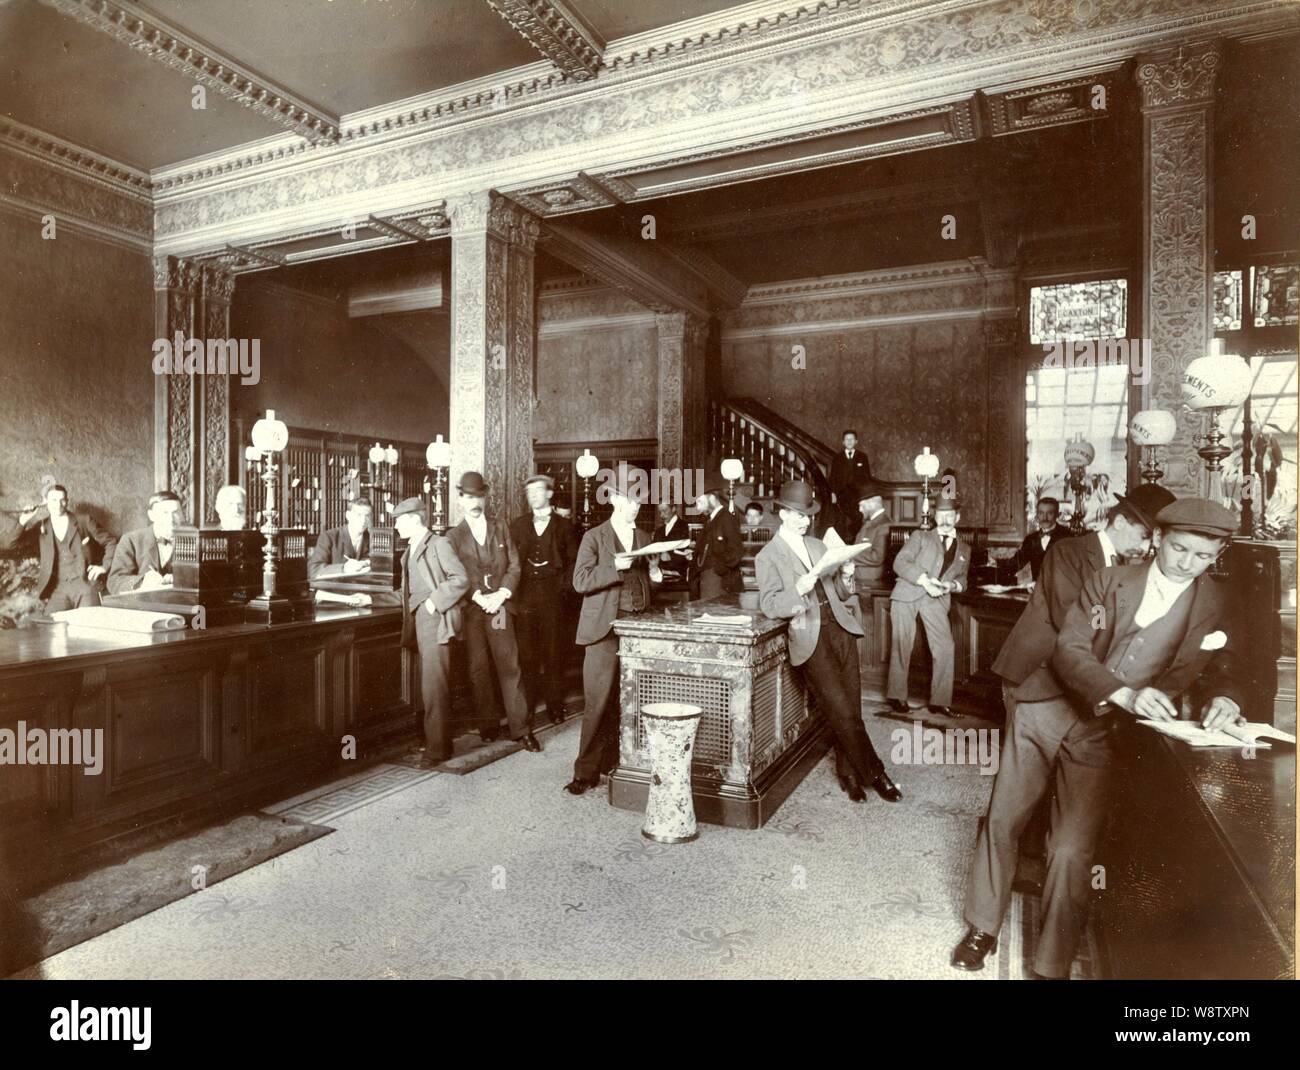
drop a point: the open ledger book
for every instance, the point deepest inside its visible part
(1191, 733)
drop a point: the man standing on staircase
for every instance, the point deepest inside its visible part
(849, 468)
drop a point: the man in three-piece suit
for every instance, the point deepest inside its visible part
(75, 552)
(143, 559)
(821, 635)
(433, 583)
(721, 547)
(869, 567)
(487, 551)
(1036, 544)
(348, 545)
(612, 584)
(849, 468)
(547, 546)
(930, 567)
(1136, 638)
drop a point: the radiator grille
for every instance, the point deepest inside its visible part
(713, 739)
(764, 731)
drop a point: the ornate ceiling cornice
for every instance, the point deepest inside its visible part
(159, 40)
(47, 148)
(557, 32)
(887, 280)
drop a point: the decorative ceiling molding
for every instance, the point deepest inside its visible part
(158, 39)
(579, 193)
(557, 31)
(49, 149)
(1055, 104)
(728, 290)
(399, 229)
(862, 283)
(887, 200)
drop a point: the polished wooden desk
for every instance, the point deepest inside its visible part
(1199, 862)
(195, 723)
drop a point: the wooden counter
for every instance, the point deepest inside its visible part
(759, 734)
(195, 723)
(1199, 861)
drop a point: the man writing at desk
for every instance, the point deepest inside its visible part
(1137, 638)
(348, 545)
(143, 561)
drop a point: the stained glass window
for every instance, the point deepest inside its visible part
(1077, 311)
(1227, 300)
(1277, 295)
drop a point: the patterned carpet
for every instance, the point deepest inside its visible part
(500, 874)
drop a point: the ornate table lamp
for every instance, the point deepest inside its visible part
(1078, 455)
(586, 466)
(1150, 429)
(732, 471)
(438, 458)
(926, 465)
(1212, 385)
(270, 436)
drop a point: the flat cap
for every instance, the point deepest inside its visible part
(409, 505)
(540, 477)
(1199, 514)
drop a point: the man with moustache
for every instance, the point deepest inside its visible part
(1135, 639)
(484, 546)
(232, 508)
(721, 547)
(821, 635)
(1037, 543)
(612, 584)
(930, 567)
(433, 583)
(547, 545)
(69, 573)
(869, 567)
(143, 561)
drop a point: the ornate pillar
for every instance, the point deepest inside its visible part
(214, 395)
(177, 286)
(683, 389)
(493, 336)
(1178, 252)
(1004, 505)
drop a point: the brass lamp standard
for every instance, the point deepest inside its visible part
(438, 459)
(733, 471)
(270, 436)
(586, 466)
(1150, 429)
(926, 465)
(1212, 385)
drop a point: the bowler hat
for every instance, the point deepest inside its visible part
(472, 483)
(1198, 514)
(409, 505)
(799, 497)
(539, 477)
(869, 488)
(714, 483)
(1147, 501)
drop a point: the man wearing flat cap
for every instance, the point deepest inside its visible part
(433, 583)
(484, 546)
(821, 636)
(721, 547)
(930, 567)
(547, 546)
(1138, 639)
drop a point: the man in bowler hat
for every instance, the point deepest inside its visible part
(484, 546)
(721, 547)
(821, 634)
(433, 583)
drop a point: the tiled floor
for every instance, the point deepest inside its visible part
(499, 873)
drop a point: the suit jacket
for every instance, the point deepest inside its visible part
(88, 531)
(869, 568)
(721, 549)
(1081, 648)
(137, 553)
(599, 582)
(1031, 550)
(564, 539)
(332, 546)
(1066, 565)
(502, 566)
(778, 568)
(434, 557)
(922, 554)
(845, 474)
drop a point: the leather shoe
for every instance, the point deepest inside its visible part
(530, 743)
(850, 786)
(886, 788)
(974, 948)
(577, 786)
(898, 705)
(557, 716)
(947, 711)
(489, 735)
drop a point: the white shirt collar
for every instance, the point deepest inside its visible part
(1107, 547)
(878, 512)
(1158, 596)
(715, 512)
(796, 543)
(670, 523)
(478, 528)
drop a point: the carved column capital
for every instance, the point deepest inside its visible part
(218, 284)
(1179, 76)
(174, 273)
(487, 212)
